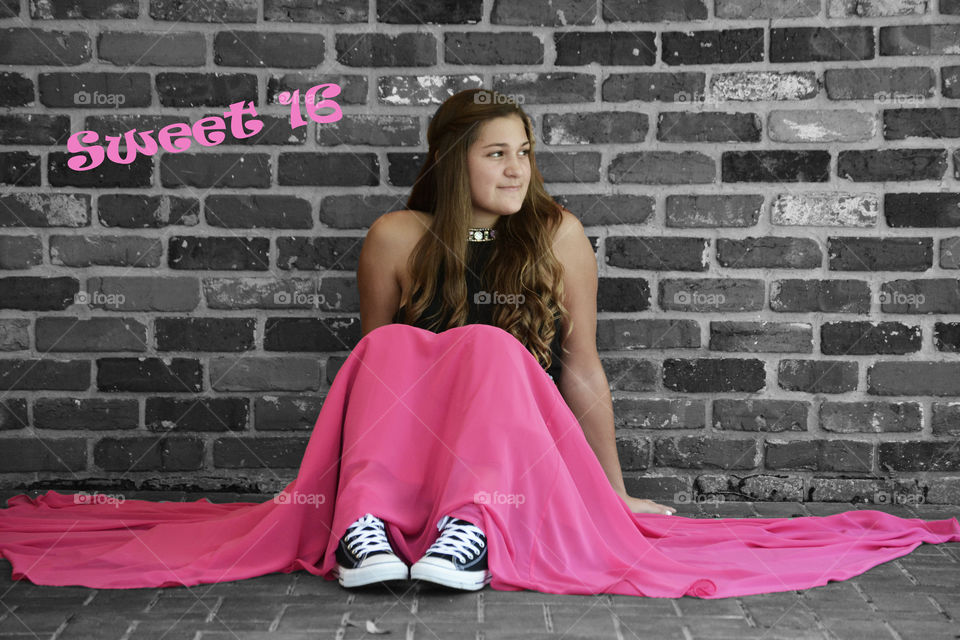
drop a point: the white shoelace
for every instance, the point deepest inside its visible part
(461, 540)
(367, 535)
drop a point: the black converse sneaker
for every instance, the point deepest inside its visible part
(364, 555)
(457, 559)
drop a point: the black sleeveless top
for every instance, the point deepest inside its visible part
(477, 313)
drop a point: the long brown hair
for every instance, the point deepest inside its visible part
(522, 260)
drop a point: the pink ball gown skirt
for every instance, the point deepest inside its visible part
(465, 422)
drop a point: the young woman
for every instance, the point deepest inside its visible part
(467, 439)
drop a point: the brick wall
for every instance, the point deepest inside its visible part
(771, 188)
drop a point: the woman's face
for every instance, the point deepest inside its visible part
(498, 163)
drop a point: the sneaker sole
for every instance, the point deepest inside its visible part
(374, 573)
(448, 577)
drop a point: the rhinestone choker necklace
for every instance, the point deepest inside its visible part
(481, 234)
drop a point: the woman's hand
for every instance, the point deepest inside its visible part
(639, 505)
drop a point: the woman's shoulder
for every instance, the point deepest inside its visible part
(407, 223)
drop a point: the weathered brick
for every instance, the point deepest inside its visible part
(730, 46)
(200, 414)
(899, 124)
(149, 374)
(403, 168)
(662, 167)
(709, 210)
(103, 250)
(849, 253)
(129, 48)
(219, 12)
(871, 9)
(820, 296)
(138, 173)
(820, 455)
(323, 12)
(16, 90)
(20, 168)
(618, 334)
(34, 128)
(881, 84)
(653, 86)
(86, 413)
(711, 295)
(919, 39)
(561, 166)
(36, 454)
(93, 334)
(931, 295)
(904, 455)
(940, 209)
(148, 293)
(803, 44)
(664, 253)
(884, 165)
(766, 9)
(633, 451)
(490, 48)
(423, 90)
(699, 452)
(547, 88)
(594, 128)
(946, 418)
(769, 252)
(560, 13)
(817, 376)
(353, 88)
(257, 211)
(330, 294)
(356, 211)
(775, 166)
(429, 12)
(258, 453)
(386, 50)
(700, 375)
(761, 337)
(135, 211)
(216, 170)
(252, 373)
(763, 85)
(605, 48)
(234, 252)
(327, 169)
(946, 336)
(825, 209)
(821, 126)
(868, 338)
(623, 294)
(950, 78)
(14, 336)
(187, 89)
(703, 126)
(378, 130)
(34, 293)
(26, 46)
(915, 378)
(44, 373)
(286, 413)
(205, 334)
(621, 208)
(653, 10)
(950, 253)
(148, 454)
(267, 49)
(771, 416)
(310, 334)
(319, 253)
(13, 414)
(870, 417)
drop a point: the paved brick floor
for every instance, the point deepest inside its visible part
(916, 596)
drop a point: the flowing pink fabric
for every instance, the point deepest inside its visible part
(465, 422)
